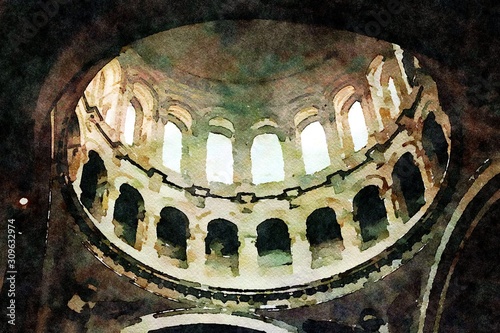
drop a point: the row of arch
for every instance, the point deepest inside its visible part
(266, 151)
(273, 238)
(267, 148)
(267, 162)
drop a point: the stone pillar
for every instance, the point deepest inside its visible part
(293, 160)
(395, 224)
(154, 146)
(333, 141)
(148, 232)
(196, 251)
(248, 265)
(301, 254)
(398, 52)
(112, 197)
(242, 159)
(194, 156)
(349, 233)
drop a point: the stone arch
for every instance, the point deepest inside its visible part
(172, 148)
(408, 187)
(315, 154)
(219, 159)
(357, 126)
(273, 242)
(322, 226)
(305, 116)
(267, 159)
(434, 141)
(369, 211)
(324, 236)
(146, 97)
(139, 119)
(172, 232)
(340, 102)
(129, 209)
(222, 238)
(132, 128)
(107, 98)
(93, 183)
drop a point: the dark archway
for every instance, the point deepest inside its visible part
(408, 187)
(434, 141)
(324, 236)
(173, 230)
(370, 212)
(94, 181)
(129, 209)
(222, 238)
(272, 235)
(322, 226)
(206, 328)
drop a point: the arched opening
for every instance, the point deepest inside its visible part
(206, 328)
(314, 148)
(409, 67)
(273, 243)
(146, 97)
(324, 236)
(322, 226)
(375, 77)
(222, 238)
(408, 187)
(93, 184)
(219, 163)
(129, 129)
(172, 147)
(172, 232)
(357, 125)
(129, 209)
(370, 212)
(104, 92)
(434, 141)
(339, 102)
(267, 159)
(222, 244)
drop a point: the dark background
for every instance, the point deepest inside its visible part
(460, 38)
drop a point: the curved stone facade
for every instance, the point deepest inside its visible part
(189, 227)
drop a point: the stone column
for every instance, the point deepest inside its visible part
(395, 224)
(348, 230)
(147, 230)
(293, 160)
(301, 254)
(196, 251)
(194, 156)
(242, 159)
(112, 197)
(334, 141)
(248, 265)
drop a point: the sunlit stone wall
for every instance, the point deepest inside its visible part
(323, 170)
